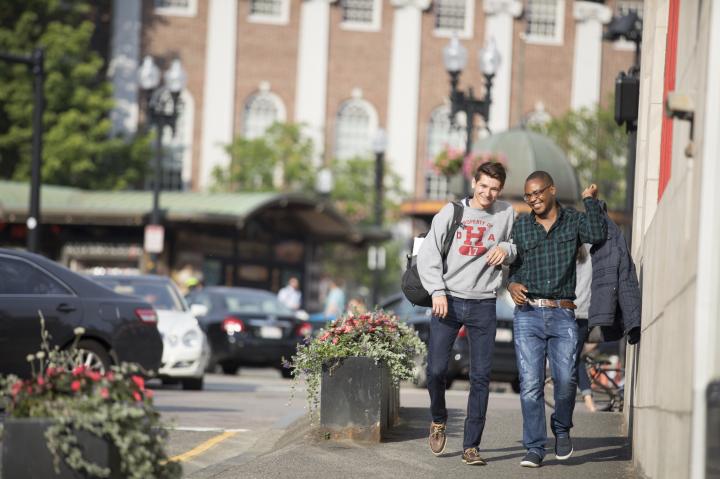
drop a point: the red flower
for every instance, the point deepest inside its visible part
(78, 370)
(51, 371)
(16, 388)
(94, 375)
(41, 380)
(137, 396)
(104, 393)
(139, 381)
(75, 386)
(324, 336)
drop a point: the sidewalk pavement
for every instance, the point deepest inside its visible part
(601, 451)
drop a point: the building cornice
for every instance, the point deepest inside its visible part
(498, 7)
(591, 11)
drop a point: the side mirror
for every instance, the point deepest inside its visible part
(198, 309)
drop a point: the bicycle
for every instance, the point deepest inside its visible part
(606, 382)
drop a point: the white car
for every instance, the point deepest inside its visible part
(186, 351)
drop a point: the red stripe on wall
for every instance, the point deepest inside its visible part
(666, 139)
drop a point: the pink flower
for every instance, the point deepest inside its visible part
(16, 388)
(335, 340)
(139, 381)
(75, 386)
(78, 370)
(41, 380)
(104, 393)
(148, 394)
(110, 376)
(137, 396)
(94, 375)
(324, 336)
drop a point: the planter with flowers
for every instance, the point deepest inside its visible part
(68, 421)
(353, 370)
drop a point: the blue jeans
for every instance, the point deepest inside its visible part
(478, 316)
(541, 333)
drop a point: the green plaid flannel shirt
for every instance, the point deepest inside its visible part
(545, 262)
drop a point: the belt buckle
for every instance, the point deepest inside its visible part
(548, 303)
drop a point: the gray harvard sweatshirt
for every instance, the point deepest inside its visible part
(467, 274)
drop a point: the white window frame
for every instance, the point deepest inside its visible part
(373, 26)
(264, 91)
(559, 36)
(622, 44)
(282, 19)
(469, 29)
(372, 122)
(189, 11)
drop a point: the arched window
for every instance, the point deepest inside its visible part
(262, 109)
(440, 136)
(355, 123)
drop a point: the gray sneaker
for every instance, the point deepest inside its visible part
(531, 459)
(563, 448)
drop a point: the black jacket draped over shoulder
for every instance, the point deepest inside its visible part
(615, 303)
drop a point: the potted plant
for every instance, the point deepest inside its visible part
(353, 367)
(70, 421)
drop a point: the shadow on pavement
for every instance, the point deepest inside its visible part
(415, 424)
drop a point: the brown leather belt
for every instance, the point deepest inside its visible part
(552, 303)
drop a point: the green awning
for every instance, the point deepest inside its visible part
(66, 205)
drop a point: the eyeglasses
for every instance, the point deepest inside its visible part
(535, 194)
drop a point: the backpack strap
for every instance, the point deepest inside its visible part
(452, 227)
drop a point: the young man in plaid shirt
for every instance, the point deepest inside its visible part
(542, 285)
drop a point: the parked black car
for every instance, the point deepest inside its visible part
(504, 367)
(117, 328)
(247, 327)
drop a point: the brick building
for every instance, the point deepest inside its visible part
(345, 68)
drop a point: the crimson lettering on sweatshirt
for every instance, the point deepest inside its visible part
(470, 247)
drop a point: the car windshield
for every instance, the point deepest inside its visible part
(255, 304)
(160, 295)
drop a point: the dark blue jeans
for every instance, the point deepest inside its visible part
(478, 316)
(542, 333)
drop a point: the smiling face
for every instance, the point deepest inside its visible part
(540, 196)
(486, 191)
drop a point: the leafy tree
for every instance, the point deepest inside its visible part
(77, 147)
(281, 159)
(597, 146)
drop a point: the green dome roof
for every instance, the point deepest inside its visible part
(527, 151)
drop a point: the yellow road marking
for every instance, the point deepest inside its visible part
(199, 449)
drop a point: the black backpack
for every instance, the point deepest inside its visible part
(411, 285)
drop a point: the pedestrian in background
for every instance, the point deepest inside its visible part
(542, 285)
(335, 301)
(463, 288)
(583, 272)
(290, 295)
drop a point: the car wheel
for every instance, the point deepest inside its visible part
(229, 367)
(192, 384)
(93, 355)
(419, 374)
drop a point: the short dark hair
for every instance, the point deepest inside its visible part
(493, 169)
(541, 175)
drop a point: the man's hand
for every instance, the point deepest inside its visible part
(496, 256)
(440, 306)
(590, 192)
(517, 293)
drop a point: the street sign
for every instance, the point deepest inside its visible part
(154, 238)
(376, 258)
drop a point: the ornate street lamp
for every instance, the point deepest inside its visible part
(455, 59)
(163, 107)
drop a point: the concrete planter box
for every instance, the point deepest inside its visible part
(358, 400)
(25, 452)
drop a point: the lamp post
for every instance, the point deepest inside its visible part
(378, 263)
(163, 107)
(36, 62)
(455, 59)
(627, 97)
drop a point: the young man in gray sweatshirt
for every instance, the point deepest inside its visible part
(463, 290)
